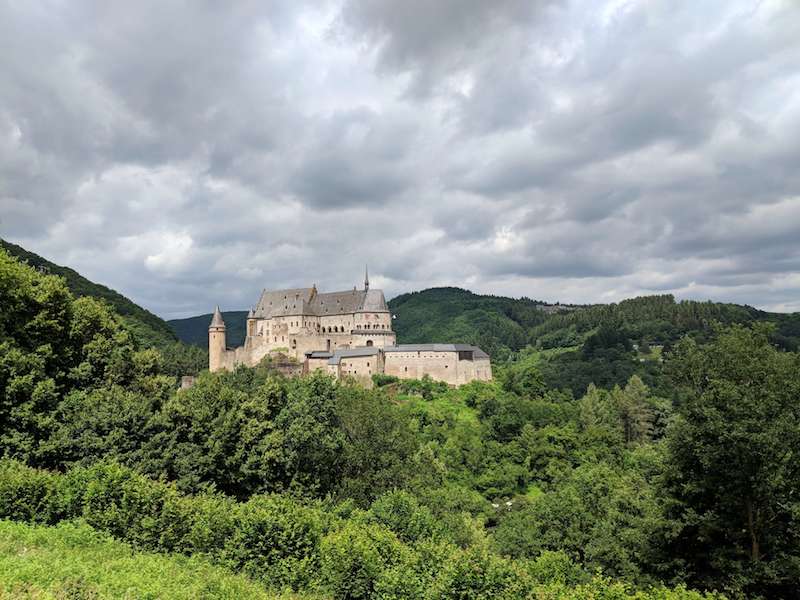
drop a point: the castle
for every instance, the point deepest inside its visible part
(343, 333)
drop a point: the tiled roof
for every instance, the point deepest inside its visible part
(306, 301)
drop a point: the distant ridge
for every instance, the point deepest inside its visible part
(150, 329)
(502, 326)
(194, 330)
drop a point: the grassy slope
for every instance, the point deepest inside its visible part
(149, 328)
(194, 330)
(75, 561)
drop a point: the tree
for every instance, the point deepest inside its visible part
(734, 471)
(634, 410)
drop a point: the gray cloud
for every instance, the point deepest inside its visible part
(189, 154)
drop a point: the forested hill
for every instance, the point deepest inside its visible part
(449, 314)
(194, 330)
(150, 329)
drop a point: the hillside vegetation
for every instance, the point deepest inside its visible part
(149, 328)
(505, 489)
(146, 328)
(73, 560)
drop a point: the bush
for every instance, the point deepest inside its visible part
(277, 540)
(381, 379)
(27, 494)
(402, 513)
(354, 559)
(477, 573)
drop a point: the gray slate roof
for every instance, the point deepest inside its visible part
(307, 301)
(216, 320)
(477, 352)
(338, 355)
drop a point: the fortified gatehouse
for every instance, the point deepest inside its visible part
(345, 333)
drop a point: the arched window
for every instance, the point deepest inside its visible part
(369, 342)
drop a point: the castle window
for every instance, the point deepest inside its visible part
(369, 343)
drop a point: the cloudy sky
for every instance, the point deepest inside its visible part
(191, 153)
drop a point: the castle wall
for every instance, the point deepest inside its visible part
(315, 364)
(440, 365)
(360, 366)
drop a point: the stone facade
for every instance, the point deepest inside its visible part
(344, 333)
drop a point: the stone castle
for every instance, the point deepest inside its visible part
(344, 333)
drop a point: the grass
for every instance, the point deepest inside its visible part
(72, 560)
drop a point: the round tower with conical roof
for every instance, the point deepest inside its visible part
(216, 342)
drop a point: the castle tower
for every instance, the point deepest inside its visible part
(251, 325)
(216, 342)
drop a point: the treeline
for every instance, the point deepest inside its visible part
(657, 319)
(505, 489)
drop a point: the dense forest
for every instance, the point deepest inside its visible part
(250, 484)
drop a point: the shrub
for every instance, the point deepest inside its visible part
(402, 513)
(275, 539)
(354, 558)
(27, 494)
(381, 379)
(477, 573)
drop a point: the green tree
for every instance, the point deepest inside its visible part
(635, 410)
(734, 469)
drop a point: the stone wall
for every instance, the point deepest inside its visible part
(440, 365)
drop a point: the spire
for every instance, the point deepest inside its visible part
(251, 314)
(366, 278)
(216, 320)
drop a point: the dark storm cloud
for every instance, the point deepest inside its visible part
(193, 153)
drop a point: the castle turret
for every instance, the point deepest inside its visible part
(216, 342)
(251, 323)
